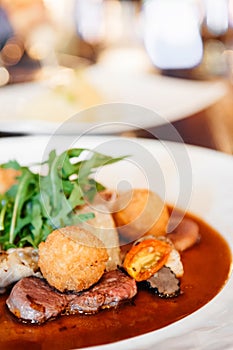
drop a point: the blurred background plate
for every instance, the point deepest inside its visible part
(42, 106)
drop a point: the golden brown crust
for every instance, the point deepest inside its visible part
(145, 213)
(72, 259)
(103, 227)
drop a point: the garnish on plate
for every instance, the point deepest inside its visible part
(37, 204)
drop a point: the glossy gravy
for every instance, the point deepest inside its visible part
(206, 266)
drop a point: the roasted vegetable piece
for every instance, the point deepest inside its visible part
(8, 177)
(16, 264)
(145, 258)
(185, 235)
(141, 212)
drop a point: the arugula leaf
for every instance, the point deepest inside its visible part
(37, 204)
(13, 164)
(20, 198)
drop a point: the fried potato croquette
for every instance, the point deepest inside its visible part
(103, 227)
(72, 258)
(145, 213)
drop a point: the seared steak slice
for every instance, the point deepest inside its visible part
(33, 300)
(113, 287)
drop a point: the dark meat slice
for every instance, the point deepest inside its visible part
(185, 234)
(33, 300)
(113, 287)
(164, 283)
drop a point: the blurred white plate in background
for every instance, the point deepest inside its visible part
(41, 107)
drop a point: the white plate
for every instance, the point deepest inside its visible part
(199, 180)
(35, 107)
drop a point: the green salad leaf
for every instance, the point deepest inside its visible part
(37, 204)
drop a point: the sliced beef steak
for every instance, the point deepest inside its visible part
(33, 300)
(112, 288)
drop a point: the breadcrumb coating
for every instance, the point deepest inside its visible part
(72, 258)
(103, 227)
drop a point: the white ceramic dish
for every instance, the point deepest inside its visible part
(36, 109)
(167, 168)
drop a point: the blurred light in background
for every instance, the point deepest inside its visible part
(115, 29)
(61, 13)
(6, 30)
(89, 16)
(4, 76)
(214, 57)
(172, 34)
(40, 43)
(230, 9)
(217, 16)
(106, 22)
(12, 51)
(56, 9)
(177, 34)
(228, 56)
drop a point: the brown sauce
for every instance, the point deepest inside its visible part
(206, 266)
